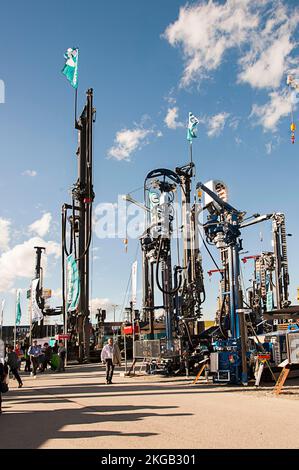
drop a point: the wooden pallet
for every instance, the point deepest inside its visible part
(281, 379)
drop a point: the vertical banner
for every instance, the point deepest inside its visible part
(73, 284)
(36, 313)
(18, 308)
(134, 282)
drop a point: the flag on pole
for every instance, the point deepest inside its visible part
(73, 284)
(192, 125)
(2, 312)
(18, 308)
(70, 69)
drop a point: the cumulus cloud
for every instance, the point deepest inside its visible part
(4, 234)
(269, 56)
(128, 141)
(261, 32)
(31, 173)
(171, 118)
(18, 262)
(205, 31)
(216, 124)
(270, 113)
(41, 226)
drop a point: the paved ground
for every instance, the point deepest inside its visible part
(77, 410)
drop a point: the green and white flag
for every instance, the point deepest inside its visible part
(70, 70)
(192, 125)
(73, 284)
(18, 308)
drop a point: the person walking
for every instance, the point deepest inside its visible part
(34, 352)
(19, 353)
(110, 356)
(61, 354)
(13, 363)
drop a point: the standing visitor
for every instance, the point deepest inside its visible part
(47, 356)
(61, 354)
(12, 362)
(27, 358)
(34, 352)
(110, 356)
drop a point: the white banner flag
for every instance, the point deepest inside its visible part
(134, 282)
(35, 310)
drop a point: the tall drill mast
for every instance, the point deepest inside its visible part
(80, 222)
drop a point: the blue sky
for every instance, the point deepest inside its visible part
(150, 63)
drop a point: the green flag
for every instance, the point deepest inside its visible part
(192, 125)
(18, 308)
(70, 70)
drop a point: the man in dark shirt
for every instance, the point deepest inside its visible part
(12, 362)
(47, 352)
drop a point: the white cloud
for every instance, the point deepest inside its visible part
(216, 124)
(41, 226)
(127, 141)
(205, 31)
(31, 173)
(270, 113)
(171, 119)
(4, 234)
(269, 57)
(261, 30)
(18, 262)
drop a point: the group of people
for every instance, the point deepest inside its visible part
(110, 356)
(36, 357)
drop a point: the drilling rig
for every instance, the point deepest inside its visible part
(76, 241)
(37, 300)
(180, 287)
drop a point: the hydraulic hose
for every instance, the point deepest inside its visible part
(172, 291)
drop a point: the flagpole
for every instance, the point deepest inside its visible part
(76, 100)
(15, 331)
(191, 155)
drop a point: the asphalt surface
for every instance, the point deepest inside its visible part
(76, 409)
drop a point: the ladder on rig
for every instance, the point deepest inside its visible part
(281, 379)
